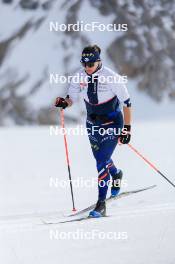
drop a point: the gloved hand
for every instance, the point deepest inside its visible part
(125, 137)
(61, 102)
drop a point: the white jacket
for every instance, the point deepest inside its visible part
(104, 85)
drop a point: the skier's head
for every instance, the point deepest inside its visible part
(90, 58)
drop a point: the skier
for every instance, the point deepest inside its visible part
(104, 102)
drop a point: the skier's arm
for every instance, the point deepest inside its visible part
(125, 137)
(72, 96)
(122, 93)
(73, 93)
(127, 115)
(127, 112)
(63, 102)
(69, 101)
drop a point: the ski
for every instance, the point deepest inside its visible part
(123, 194)
(73, 220)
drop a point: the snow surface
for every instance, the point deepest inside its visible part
(30, 157)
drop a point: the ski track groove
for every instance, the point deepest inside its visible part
(36, 221)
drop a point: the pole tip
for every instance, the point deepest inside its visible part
(74, 210)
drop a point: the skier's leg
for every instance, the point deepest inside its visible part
(101, 164)
(103, 180)
(100, 209)
(116, 178)
(102, 148)
(102, 156)
(113, 170)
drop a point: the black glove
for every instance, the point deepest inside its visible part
(61, 102)
(125, 137)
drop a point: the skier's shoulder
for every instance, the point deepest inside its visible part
(78, 72)
(108, 71)
(77, 76)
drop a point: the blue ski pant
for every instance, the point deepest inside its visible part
(103, 139)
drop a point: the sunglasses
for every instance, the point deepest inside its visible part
(89, 64)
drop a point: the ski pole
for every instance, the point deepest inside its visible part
(67, 158)
(151, 164)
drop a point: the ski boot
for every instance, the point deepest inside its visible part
(99, 211)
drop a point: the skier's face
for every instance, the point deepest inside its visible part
(91, 69)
